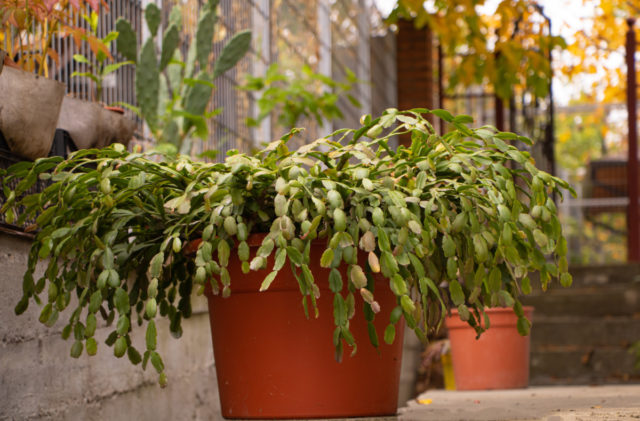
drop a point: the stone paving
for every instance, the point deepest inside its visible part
(556, 403)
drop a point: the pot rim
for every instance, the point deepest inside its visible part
(497, 310)
(254, 240)
(500, 317)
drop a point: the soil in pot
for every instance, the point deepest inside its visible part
(273, 362)
(499, 359)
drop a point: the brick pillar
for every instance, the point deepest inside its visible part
(414, 60)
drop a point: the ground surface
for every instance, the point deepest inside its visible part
(561, 403)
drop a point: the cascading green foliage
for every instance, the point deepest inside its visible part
(458, 220)
(172, 94)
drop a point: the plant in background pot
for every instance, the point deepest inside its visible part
(304, 254)
(32, 26)
(173, 95)
(100, 68)
(293, 96)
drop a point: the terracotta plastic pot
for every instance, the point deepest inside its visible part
(499, 359)
(273, 362)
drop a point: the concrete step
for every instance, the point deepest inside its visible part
(598, 275)
(581, 335)
(583, 332)
(592, 301)
(582, 365)
(590, 275)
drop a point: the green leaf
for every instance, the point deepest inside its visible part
(396, 313)
(495, 280)
(45, 313)
(407, 305)
(153, 16)
(443, 114)
(335, 280)
(566, 279)
(523, 326)
(95, 301)
(120, 347)
(204, 37)
(92, 346)
(170, 42)
(462, 119)
(151, 335)
(134, 355)
(126, 43)
(339, 310)
(388, 264)
(156, 361)
(121, 301)
(327, 258)
(110, 68)
(123, 325)
(383, 240)
(80, 58)
(197, 98)
(111, 36)
(155, 266)
(76, 349)
(111, 339)
(526, 285)
(457, 295)
(280, 260)
(540, 238)
(232, 52)
(147, 83)
(107, 258)
(373, 335)
(92, 323)
(389, 334)
(448, 246)
(22, 305)
(295, 256)
(268, 280)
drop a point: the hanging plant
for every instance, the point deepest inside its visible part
(458, 220)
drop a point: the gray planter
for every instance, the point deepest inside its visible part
(29, 111)
(92, 126)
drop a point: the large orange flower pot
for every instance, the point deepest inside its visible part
(273, 362)
(499, 359)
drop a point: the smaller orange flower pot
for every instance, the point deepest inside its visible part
(499, 359)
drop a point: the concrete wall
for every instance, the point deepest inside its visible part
(39, 381)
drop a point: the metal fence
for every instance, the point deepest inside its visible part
(327, 35)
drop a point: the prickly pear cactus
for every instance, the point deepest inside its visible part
(147, 84)
(172, 97)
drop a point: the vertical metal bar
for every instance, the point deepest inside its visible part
(512, 114)
(440, 85)
(261, 26)
(325, 64)
(499, 105)
(633, 226)
(364, 56)
(551, 127)
(499, 112)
